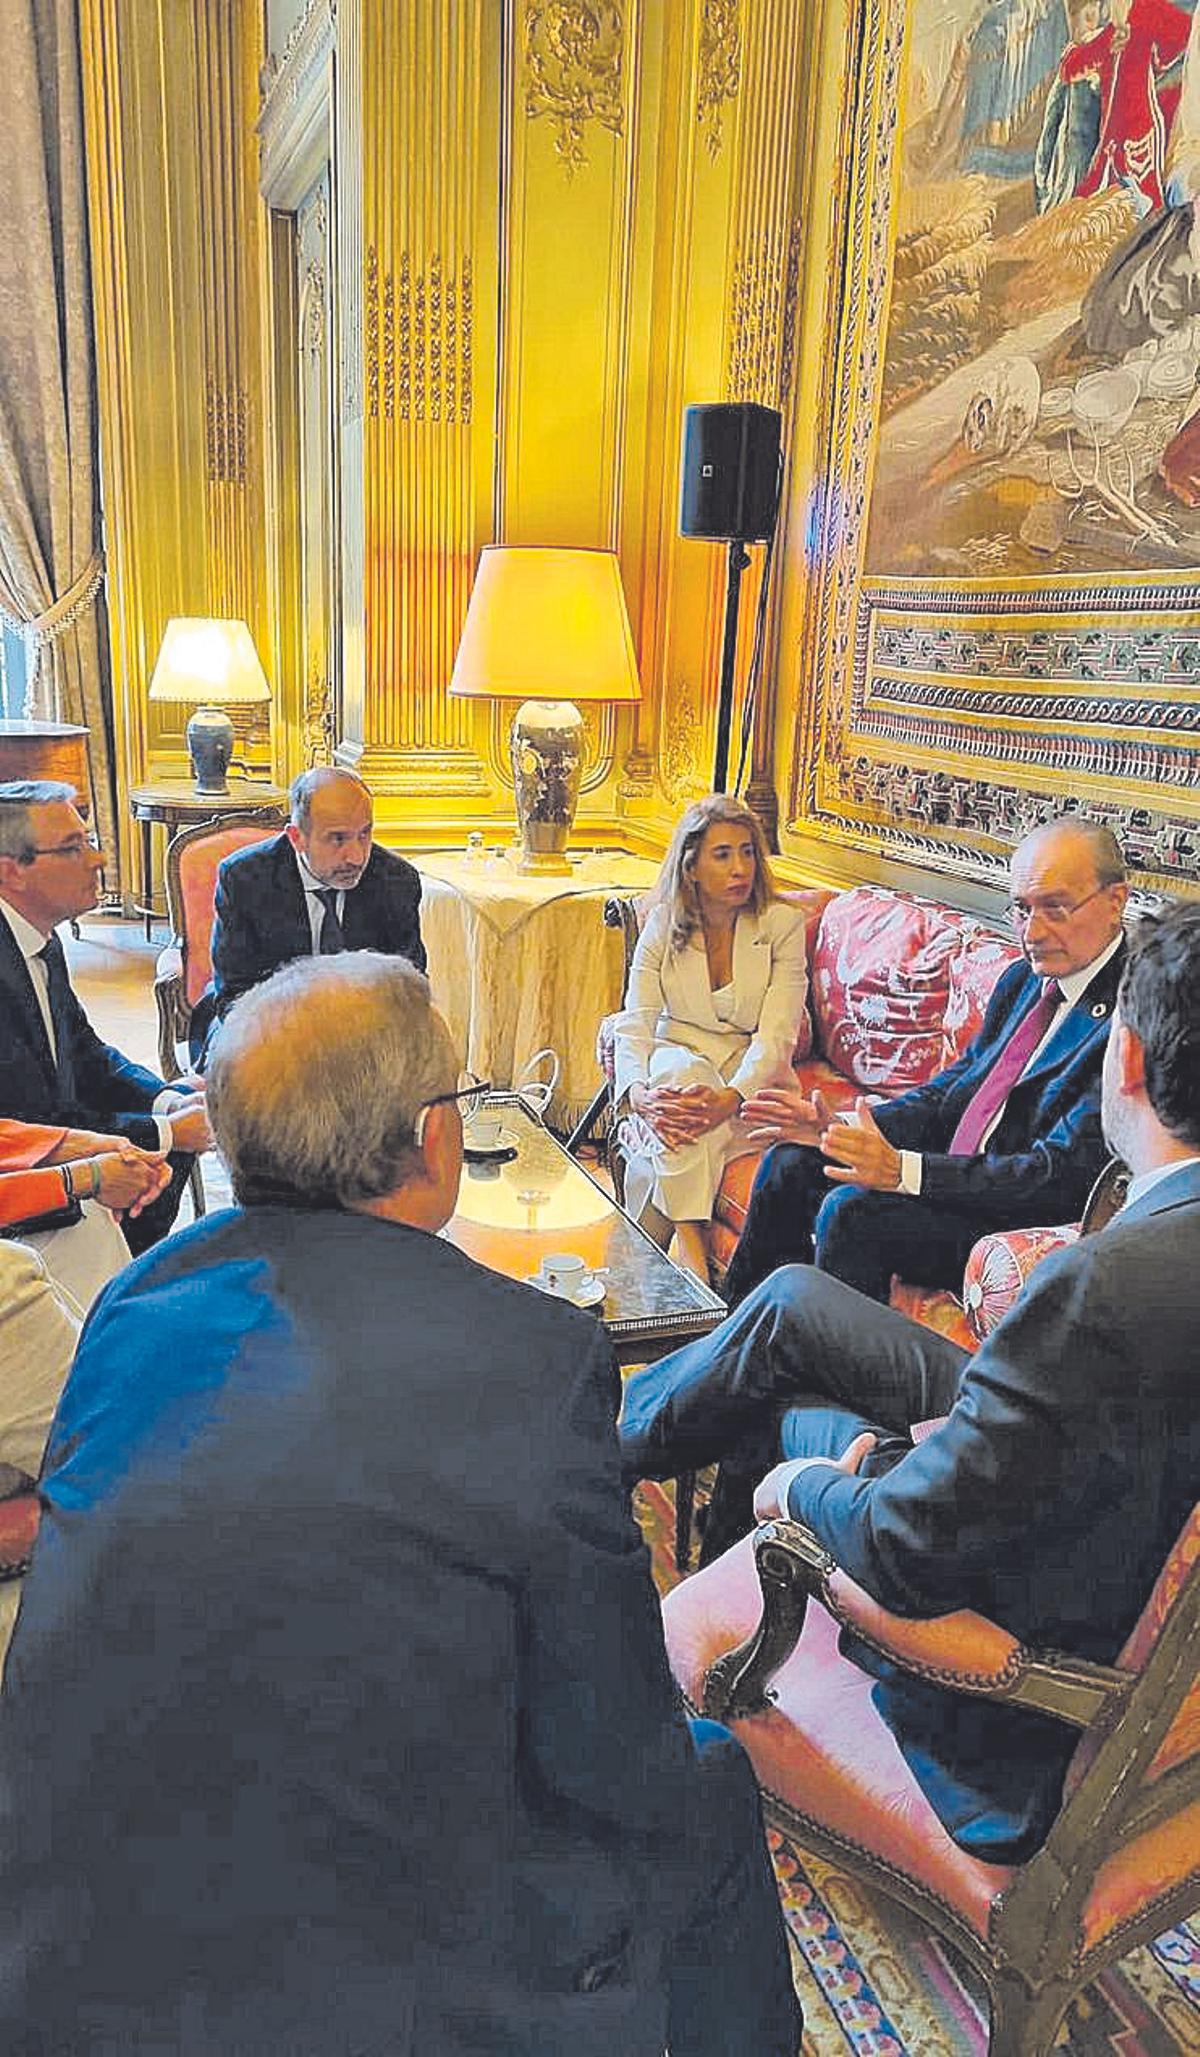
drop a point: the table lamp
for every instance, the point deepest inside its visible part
(548, 627)
(216, 663)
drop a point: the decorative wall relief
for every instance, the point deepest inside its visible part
(720, 68)
(1005, 612)
(419, 339)
(574, 51)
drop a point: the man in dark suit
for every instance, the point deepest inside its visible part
(319, 888)
(1070, 1453)
(53, 1066)
(1008, 1137)
(337, 1717)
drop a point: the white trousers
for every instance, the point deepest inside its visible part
(682, 1183)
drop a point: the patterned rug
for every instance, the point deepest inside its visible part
(875, 1982)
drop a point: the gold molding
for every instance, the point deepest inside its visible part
(574, 62)
(719, 67)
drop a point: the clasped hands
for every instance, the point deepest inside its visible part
(859, 1153)
(680, 1114)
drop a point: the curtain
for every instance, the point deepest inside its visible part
(51, 568)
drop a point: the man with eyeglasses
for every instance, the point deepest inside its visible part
(53, 1067)
(1008, 1137)
(337, 1715)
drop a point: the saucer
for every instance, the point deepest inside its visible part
(589, 1295)
(490, 1153)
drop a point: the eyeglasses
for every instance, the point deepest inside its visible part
(471, 1092)
(75, 846)
(1057, 912)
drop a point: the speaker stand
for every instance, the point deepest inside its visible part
(739, 558)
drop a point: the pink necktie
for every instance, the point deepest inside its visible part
(987, 1100)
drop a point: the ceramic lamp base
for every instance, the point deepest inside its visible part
(546, 742)
(210, 747)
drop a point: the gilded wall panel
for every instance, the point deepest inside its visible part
(1002, 613)
(428, 282)
(171, 99)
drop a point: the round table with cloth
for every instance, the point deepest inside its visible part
(520, 964)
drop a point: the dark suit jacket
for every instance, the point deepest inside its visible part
(1048, 1500)
(338, 1718)
(1048, 1149)
(261, 915)
(93, 1087)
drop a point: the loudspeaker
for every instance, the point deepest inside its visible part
(730, 472)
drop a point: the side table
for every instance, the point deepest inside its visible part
(176, 803)
(518, 963)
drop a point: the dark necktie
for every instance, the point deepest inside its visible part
(332, 939)
(59, 990)
(987, 1100)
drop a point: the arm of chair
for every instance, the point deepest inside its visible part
(174, 1014)
(964, 1651)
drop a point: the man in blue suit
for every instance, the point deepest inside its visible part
(320, 887)
(1069, 1456)
(338, 1717)
(1008, 1137)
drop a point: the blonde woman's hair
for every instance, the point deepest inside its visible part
(676, 889)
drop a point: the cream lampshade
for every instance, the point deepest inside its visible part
(548, 627)
(214, 662)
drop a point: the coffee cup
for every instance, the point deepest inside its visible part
(483, 1133)
(565, 1274)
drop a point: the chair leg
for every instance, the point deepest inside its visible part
(196, 1188)
(588, 1119)
(1024, 2024)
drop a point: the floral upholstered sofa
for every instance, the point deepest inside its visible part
(898, 986)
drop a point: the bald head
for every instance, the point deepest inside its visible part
(333, 820)
(317, 1080)
(1068, 893)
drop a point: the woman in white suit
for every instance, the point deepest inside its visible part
(716, 993)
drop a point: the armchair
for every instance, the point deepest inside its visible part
(1120, 1864)
(184, 967)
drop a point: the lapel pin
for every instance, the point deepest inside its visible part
(1099, 1010)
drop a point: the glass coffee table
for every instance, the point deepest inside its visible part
(538, 1201)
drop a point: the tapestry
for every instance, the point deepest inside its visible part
(875, 1982)
(1005, 534)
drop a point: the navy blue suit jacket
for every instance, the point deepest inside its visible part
(92, 1085)
(1047, 1500)
(261, 915)
(338, 1718)
(1044, 1156)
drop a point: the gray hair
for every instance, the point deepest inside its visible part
(1097, 839)
(300, 795)
(319, 1075)
(17, 796)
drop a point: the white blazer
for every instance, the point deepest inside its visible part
(670, 1000)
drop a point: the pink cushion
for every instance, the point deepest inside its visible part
(881, 985)
(822, 1748)
(198, 866)
(998, 1267)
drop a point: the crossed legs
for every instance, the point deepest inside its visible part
(799, 1369)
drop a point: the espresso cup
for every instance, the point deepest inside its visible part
(565, 1274)
(484, 1133)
